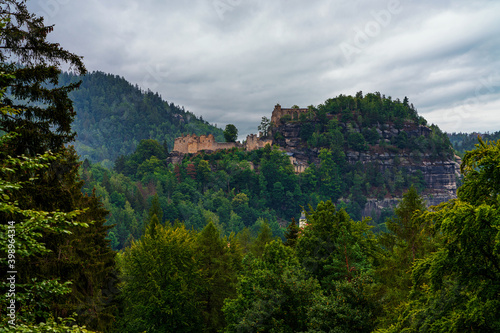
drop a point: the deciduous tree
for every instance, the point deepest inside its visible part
(230, 133)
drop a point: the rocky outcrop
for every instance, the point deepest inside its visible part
(375, 207)
(439, 173)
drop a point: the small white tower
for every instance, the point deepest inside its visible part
(302, 220)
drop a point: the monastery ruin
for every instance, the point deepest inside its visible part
(192, 144)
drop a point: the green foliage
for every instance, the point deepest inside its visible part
(355, 129)
(265, 126)
(292, 234)
(22, 237)
(62, 325)
(330, 180)
(285, 118)
(356, 141)
(33, 62)
(274, 294)
(456, 288)
(264, 237)
(62, 230)
(35, 297)
(230, 133)
(337, 251)
(463, 142)
(408, 238)
(333, 246)
(161, 283)
(220, 259)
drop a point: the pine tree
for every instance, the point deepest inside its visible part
(155, 208)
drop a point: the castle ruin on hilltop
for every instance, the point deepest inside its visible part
(192, 144)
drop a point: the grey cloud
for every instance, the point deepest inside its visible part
(232, 64)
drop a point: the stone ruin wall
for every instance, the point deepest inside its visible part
(278, 112)
(192, 144)
(254, 142)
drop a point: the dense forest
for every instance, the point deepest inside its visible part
(112, 116)
(212, 244)
(463, 142)
(238, 189)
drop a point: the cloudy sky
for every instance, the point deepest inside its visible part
(231, 61)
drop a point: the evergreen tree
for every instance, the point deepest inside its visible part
(407, 239)
(22, 233)
(218, 275)
(292, 233)
(274, 294)
(337, 251)
(155, 209)
(42, 122)
(264, 237)
(45, 123)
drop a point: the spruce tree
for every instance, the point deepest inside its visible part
(264, 237)
(45, 110)
(292, 233)
(42, 122)
(219, 276)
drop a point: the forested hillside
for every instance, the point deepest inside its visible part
(463, 142)
(237, 189)
(113, 116)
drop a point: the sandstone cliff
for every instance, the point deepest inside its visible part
(439, 173)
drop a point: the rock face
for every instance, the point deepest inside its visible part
(439, 174)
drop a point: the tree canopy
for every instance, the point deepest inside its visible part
(230, 133)
(456, 287)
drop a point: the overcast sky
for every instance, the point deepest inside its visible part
(231, 61)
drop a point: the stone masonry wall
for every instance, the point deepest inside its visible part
(254, 142)
(278, 112)
(191, 144)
